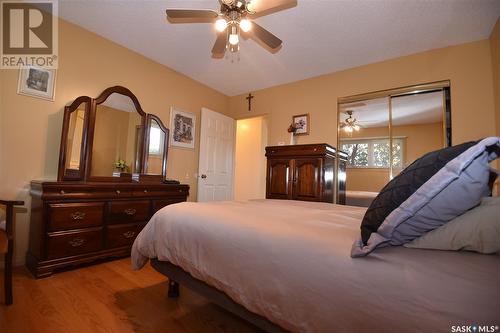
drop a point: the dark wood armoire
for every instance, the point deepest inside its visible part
(305, 172)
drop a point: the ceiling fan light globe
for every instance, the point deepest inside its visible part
(234, 39)
(220, 24)
(250, 7)
(348, 129)
(245, 25)
(356, 128)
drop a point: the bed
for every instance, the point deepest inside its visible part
(288, 263)
(359, 198)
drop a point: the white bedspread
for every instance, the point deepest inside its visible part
(290, 262)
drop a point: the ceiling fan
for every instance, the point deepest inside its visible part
(350, 124)
(234, 18)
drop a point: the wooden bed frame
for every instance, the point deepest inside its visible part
(177, 275)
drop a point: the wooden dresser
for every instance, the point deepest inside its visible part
(73, 223)
(111, 180)
(303, 172)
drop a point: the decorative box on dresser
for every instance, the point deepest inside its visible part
(94, 210)
(73, 223)
(303, 172)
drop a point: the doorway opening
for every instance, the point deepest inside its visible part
(250, 159)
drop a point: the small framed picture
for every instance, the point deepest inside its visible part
(37, 82)
(302, 124)
(182, 128)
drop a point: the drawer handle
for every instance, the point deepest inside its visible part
(118, 192)
(77, 242)
(130, 211)
(78, 216)
(129, 234)
(62, 192)
(145, 191)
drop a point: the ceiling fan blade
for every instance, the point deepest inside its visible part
(265, 36)
(220, 45)
(264, 7)
(192, 15)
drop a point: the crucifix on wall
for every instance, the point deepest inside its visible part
(249, 98)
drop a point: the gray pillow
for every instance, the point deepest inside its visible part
(454, 189)
(476, 230)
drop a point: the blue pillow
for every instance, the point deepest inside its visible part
(456, 183)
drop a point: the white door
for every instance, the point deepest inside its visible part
(215, 171)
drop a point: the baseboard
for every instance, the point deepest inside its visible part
(17, 263)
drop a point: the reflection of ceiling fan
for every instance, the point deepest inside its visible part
(235, 16)
(350, 124)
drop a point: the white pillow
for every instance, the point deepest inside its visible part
(476, 230)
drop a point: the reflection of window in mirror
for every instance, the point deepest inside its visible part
(156, 148)
(155, 140)
(374, 152)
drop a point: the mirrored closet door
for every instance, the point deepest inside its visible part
(384, 132)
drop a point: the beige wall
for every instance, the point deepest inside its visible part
(420, 139)
(250, 162)
(467, 66)
(30, 128)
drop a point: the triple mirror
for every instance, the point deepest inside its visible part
(110, 138)
(384, 132)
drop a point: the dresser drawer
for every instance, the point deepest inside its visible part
(128, 211)
(75, 215)
(159, 204)
(122, 235)
(65, 244)
(91, 193)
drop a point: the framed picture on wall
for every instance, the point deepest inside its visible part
(182, 128)
(37, 82)
(302, 124)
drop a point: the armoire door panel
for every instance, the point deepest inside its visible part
(307, 179)
(278, 179)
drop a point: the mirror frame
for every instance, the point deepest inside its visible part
(93, 112)
(83, 174)
(149, 119)
(71, 174)
(445, 86)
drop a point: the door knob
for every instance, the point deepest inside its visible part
(203, 176)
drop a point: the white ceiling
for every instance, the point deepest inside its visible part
(319, 36)
(406, 110)
(120, 102)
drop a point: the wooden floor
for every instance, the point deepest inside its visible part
(109, 297)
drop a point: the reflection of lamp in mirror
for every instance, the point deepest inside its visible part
(349, 125)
